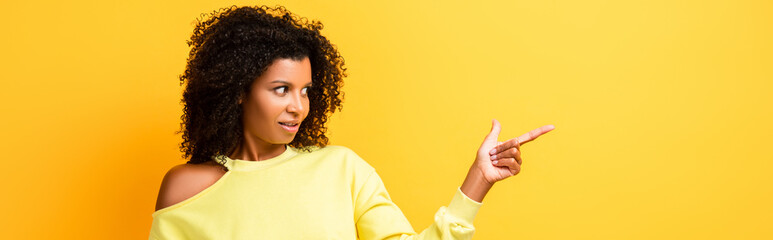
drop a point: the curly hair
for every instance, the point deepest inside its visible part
(231, 49)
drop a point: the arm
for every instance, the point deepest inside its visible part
(377, 217)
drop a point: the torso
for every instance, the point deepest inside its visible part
(315, 190)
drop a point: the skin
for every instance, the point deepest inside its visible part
(280, 95)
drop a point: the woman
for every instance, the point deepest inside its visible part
(260, 85)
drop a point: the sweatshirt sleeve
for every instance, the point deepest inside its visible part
(377, 217)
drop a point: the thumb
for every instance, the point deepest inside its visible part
(491, 138)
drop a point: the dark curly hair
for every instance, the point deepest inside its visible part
(232, 48)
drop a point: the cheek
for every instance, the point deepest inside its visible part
(263, 109)
(272, 108)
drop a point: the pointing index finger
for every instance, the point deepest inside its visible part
(533, 134)
(520, 140)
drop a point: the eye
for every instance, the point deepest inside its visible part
(305, 90)
(283, 89)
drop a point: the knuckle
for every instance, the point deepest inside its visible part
(512, 161)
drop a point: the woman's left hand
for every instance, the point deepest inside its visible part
(501, 160)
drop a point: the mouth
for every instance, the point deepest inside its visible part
(290, 126)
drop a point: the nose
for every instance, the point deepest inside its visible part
(296, 104)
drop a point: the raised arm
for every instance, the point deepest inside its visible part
(377, 217)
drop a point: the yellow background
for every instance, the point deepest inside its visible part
(662, 111)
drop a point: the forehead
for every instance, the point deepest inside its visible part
(287, 70)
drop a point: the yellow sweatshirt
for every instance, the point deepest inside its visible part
(329, 193)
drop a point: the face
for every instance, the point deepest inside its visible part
(278, 102)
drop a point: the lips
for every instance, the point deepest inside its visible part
(290, 126)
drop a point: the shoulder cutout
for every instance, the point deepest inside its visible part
(186, 180)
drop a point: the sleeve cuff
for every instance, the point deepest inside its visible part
(463, 207)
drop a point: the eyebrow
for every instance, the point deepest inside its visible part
(288, 83)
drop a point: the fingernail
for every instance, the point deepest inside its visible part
(492, 151)
(495, 162)
(493, 157)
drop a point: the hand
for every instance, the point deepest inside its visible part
(484, 172)
(499, 160)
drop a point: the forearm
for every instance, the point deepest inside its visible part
(475, 186)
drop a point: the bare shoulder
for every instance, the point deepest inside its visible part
(186, 180)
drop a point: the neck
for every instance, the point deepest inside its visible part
(254, 149)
